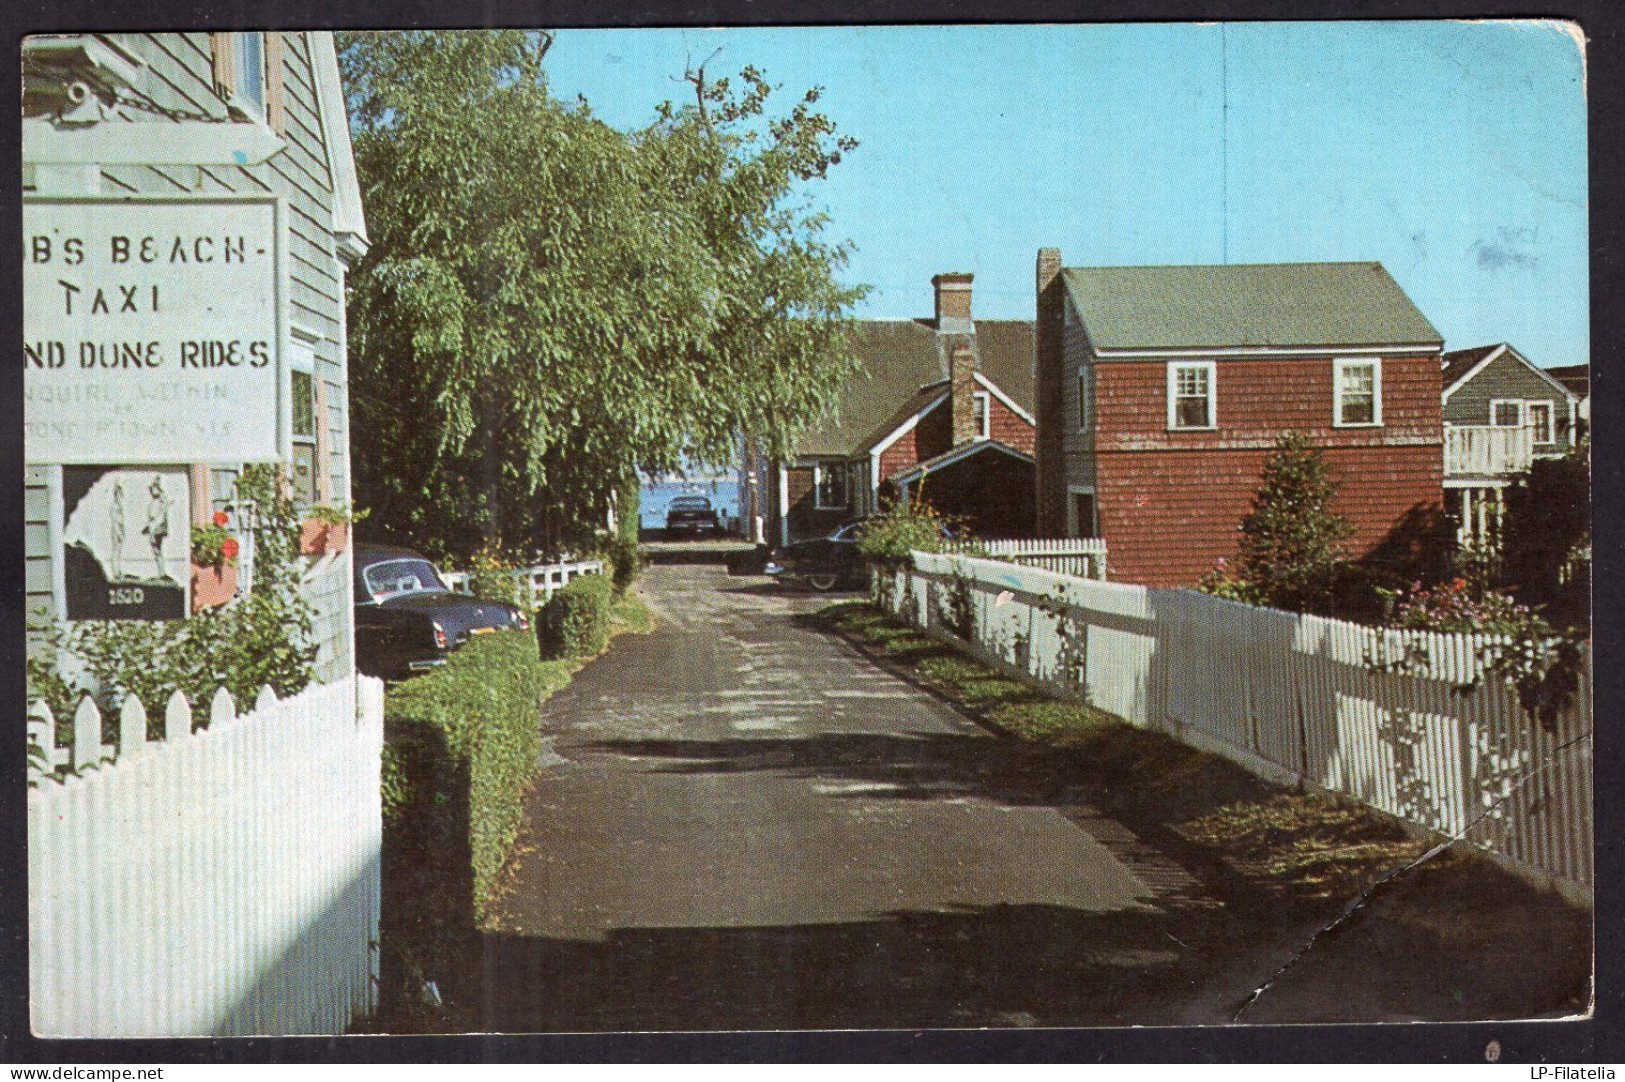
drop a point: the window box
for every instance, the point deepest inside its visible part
(319, 536)
(213, 585)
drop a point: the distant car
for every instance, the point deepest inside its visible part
(407, 620)
(691, 515)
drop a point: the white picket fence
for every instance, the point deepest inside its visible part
(1371, 713)
(1084, 557)
(535, 584)
(219, 882)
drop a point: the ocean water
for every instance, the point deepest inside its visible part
(654, 498)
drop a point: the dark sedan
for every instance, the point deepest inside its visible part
(692, 515)
(822, 563)
(407, 620)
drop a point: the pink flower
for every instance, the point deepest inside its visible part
(220, 518)
(228, 548)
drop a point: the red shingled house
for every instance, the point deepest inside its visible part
(942, 407)
(1161, 391)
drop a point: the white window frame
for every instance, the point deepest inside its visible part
(1339, 366)
(983, 401)
(302, 359)
(1515, 403)
(1086, 398)
(1211, 368)
(1529, 408)
(818, 485)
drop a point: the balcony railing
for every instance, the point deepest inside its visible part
(1487, 450)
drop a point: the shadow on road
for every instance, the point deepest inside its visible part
(1028, 965)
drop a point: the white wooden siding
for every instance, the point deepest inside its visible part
(179, 77)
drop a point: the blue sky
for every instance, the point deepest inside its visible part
(1452, 152)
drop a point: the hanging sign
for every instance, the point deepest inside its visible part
(126, 540)
(152, 330)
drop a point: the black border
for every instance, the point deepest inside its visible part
(1598, 1040)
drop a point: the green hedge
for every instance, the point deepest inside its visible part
(463, 741)
(575, 621)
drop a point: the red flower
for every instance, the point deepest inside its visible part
(220, 518)
(228, 548)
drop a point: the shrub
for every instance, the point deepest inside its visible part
(1226, 582)
(1454, 607)
(491, 577)
(470, 727)
(889, 537)
(624, 561)
(1292, 541)
(263, 638)
(575, 620)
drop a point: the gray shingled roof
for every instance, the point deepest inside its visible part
(903, 370)
(1459, 362)
(1265, 304)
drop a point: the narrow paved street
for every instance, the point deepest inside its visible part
(743, 823)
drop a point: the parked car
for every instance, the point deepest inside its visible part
(691, 515)
(823, 563)
(407, 620)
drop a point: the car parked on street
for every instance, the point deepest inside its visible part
(407, 620)
(821, 563)
(691, 515)
(824, 563)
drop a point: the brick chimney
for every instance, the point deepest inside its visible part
(1049, 266)
(1050, 501)
(953, 302)
(962, 392)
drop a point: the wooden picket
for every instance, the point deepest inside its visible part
(1377, 714)
(222, 881)
(1084, 557)
(534, 585)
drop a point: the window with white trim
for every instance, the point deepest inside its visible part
(1506, 413)
(1358, 392)
(1191, 394)
(302, 385)
(239, 70)
(1086, 398)
(829, 486)
(982, 414)
(1540, 419)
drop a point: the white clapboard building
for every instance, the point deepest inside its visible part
(190, 208)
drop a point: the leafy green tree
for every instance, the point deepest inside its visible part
(1292, 540)
(550, 304)
(1546, 541)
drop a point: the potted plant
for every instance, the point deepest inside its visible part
(324, 530)
(214, 564)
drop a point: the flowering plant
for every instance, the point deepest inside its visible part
(212, 546)
(1455, 607)
(1228, 582)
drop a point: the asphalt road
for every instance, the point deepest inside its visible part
(742, 823)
